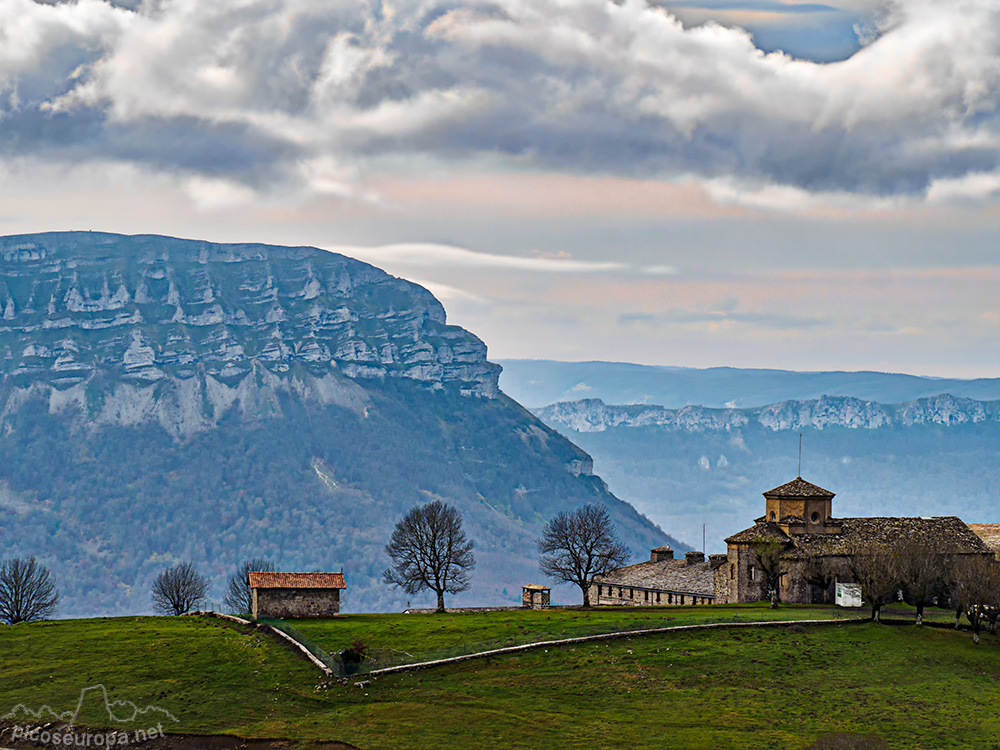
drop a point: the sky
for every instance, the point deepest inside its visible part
(752, 183)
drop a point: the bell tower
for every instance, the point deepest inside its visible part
(801, 507)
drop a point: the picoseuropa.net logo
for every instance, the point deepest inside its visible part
(135, 725)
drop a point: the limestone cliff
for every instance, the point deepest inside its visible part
(178, 331)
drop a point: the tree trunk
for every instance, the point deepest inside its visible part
(440, 607)
(920, 614)
(586, 595)
(958, 619)
(876, 612)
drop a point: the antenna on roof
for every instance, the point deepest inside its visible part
(800, 454)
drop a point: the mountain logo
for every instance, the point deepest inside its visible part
(120, 712)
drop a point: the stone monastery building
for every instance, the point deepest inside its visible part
(798, 516)
(814, 547)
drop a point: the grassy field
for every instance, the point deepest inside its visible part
(775, 687)
(406, 638)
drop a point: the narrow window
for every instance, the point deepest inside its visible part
(732, 571)
(657, 597)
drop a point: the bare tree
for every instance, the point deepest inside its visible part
(921, 573)
(819, 572)
(768, 554)
(178, 589)
(429, 550)
(239, 596)
(872, 566)
(577, 546)
(27, 591)
(974, 589)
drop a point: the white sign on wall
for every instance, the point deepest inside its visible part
(849, 595)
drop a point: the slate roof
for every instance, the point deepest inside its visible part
(536, 587)
(666, 575)
(944, 534)
(297, 580)
(762, 531)
(798, 487)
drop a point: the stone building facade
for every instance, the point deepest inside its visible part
(296, 595)
(814, 547)
(662, 581)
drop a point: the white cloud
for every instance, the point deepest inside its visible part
(251, 90)
(418, 255)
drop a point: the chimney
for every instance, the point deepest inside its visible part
(717, 560)
(692, 558)
(659, 554)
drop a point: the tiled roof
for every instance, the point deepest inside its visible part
(297, 581)
(761, 531)
(666, 575)
(798, 487)
(536, 587)
(943, 534)
(988, 532)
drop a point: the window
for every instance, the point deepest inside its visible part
(645, 596)
(631, 593)
(773, 516)
(670, 598)
(732, 571)
(657, 597)
(815, 517)
(753, 573)
(598, 590)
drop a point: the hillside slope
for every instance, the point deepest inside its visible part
(166, 400)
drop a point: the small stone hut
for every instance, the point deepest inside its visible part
(535, 596)
(296, 595)
(662, 581)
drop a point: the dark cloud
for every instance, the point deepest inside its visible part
(258, 92)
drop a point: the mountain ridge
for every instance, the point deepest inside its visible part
(166, 400)
(593, 415)
(538, 383)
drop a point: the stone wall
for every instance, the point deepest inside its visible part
(294, 603)
(637, 596)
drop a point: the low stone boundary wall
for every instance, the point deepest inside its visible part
(606, 637)
(271, 629)
(529, 646)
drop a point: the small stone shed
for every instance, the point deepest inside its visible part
(535, 596)
(283, 595)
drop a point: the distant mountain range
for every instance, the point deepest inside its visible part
(538, 383)
(593, 415)
(691, 466)
(165, 400)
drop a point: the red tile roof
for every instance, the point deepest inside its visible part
(297, 581)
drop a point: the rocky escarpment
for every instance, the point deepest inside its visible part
(593, 415)
(132, 329)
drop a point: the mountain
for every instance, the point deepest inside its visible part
(537, 383)
(685, 467)
(165, 400)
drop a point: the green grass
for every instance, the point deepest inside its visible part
(753, 688)
(408, 638)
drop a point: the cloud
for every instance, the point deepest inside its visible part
(262, 91)
(430, 255)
